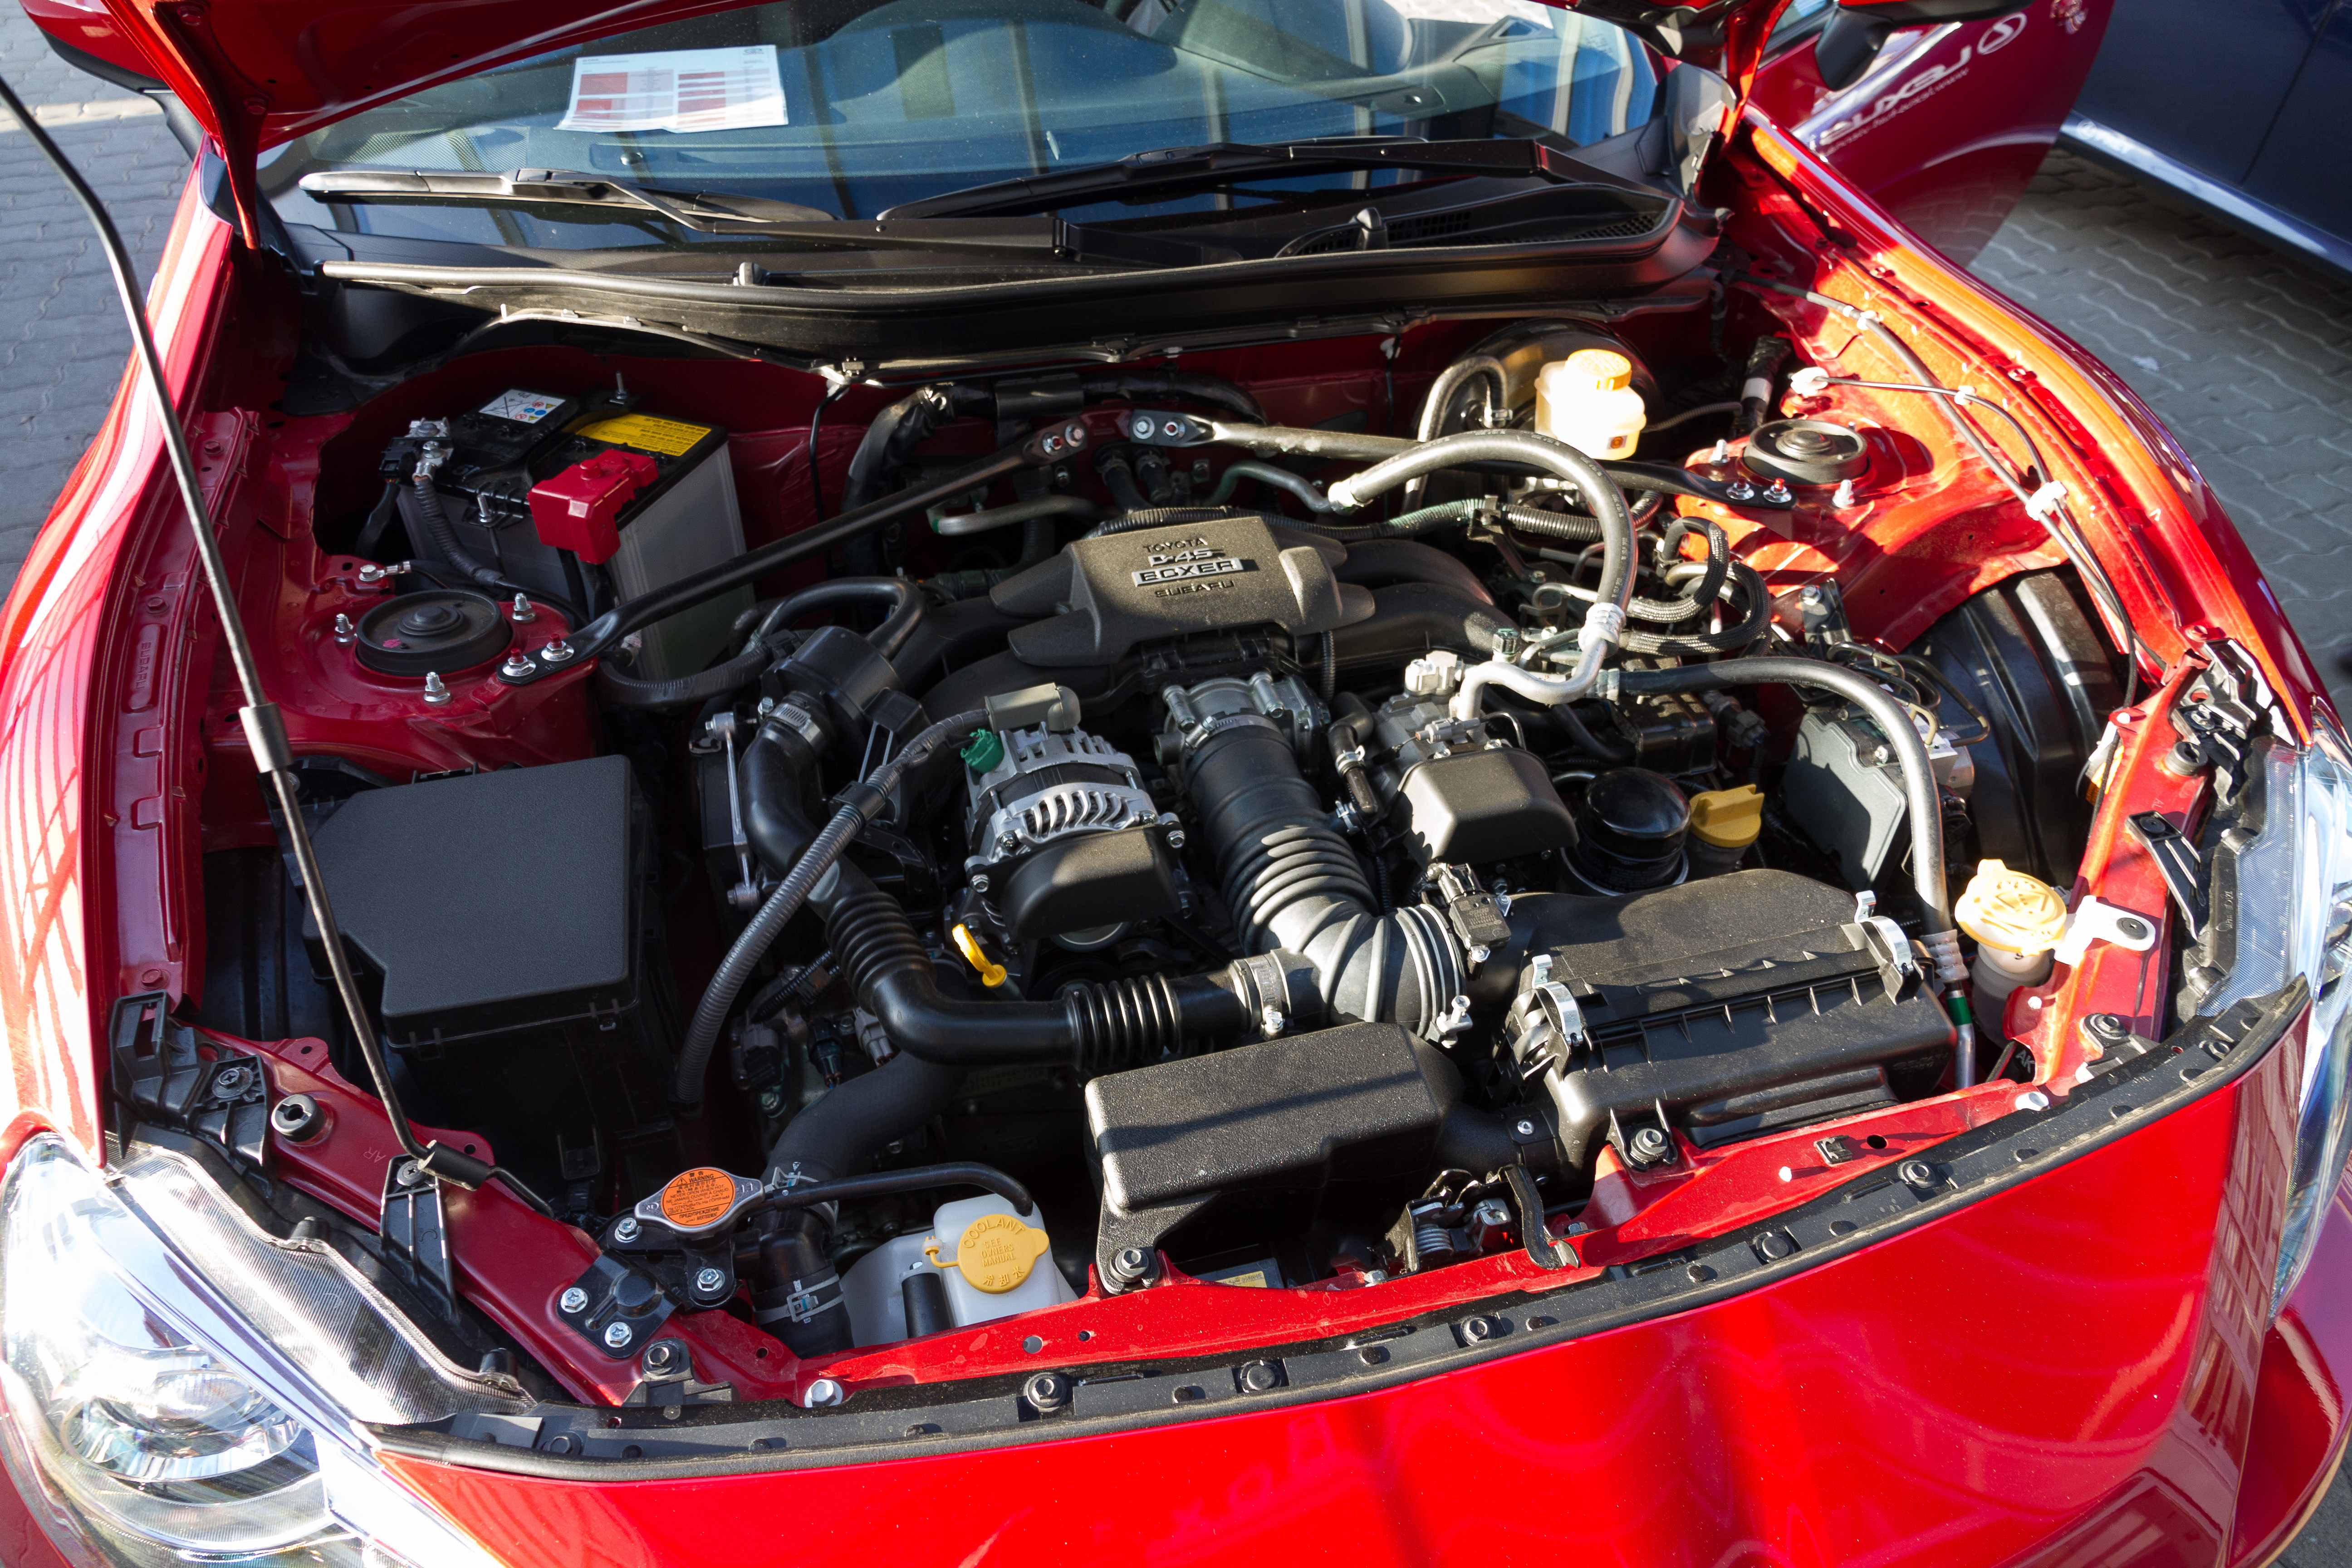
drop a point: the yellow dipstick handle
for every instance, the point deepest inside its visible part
(992, 973)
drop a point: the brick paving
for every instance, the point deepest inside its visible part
(2245, 354)
(63, 343)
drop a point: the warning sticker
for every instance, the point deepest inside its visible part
(522, 407)
(676, 89)
(697, 1197)
(670, 438)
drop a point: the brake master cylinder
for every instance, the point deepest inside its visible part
(1588, 401)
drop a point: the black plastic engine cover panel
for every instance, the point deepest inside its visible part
(1264, 1140)
(1102, 596)
(1685, 1008)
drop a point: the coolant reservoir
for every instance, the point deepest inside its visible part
(2016, 919)
(1588, 401)
(982, 1259)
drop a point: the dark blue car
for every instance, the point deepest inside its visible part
(2244, 107)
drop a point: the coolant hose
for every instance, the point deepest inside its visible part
(1604, 621)
(1440, 403)
(1098, 1027)
(859, 805)
(904, 599)
(1282, 479)
(1923, 803)
(1045, 508)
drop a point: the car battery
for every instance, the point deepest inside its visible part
(543, 488)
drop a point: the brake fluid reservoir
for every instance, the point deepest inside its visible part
(1588, 401)
(2016, 920)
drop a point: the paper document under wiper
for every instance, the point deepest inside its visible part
(676, 89)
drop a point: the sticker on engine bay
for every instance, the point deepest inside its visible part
(522, 407)
(676, 90)
(1187, 559)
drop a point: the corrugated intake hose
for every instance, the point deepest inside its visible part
(1293, 883)
(1096, 1027)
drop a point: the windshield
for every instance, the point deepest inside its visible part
(851, 108)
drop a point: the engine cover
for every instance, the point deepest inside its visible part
(1679, 1007)
(1102, 596)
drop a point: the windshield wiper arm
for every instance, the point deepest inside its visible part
(1033, 238)
(696, 210)
(1170, 168)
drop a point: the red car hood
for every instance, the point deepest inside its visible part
(255, 73)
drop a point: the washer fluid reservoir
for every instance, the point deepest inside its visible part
(1588, 401)
(2016, 920)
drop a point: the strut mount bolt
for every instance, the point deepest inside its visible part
(557, 652)
(519, 612)
(346, 634)
(518, 665)
(573, 1301)
(436, 690)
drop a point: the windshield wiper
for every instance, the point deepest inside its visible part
(1037, 238)
(1173, 169)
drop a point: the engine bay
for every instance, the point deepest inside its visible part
(1296, 818)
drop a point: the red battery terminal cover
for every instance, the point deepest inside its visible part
(578, 510)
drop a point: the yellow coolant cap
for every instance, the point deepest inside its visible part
(1598, 370)
(1728, 818)
(2011, 910)
(995, 1253)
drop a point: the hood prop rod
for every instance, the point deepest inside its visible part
(265, 729)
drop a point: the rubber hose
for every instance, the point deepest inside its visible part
(1166, 516)
(1096, 1027)
(904, 599)
(1036, 509)
(736, 969)
(1378, 562)
(1599, 492)
(1922, 800)
(1190, 386)
(1282, 479)
(842, 1132)
(1730, 639)
(1438, 404)
(626, 691)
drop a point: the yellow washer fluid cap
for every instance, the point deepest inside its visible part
(1728, 818)
(1598, 370)
(2011, 910)
(996, 1253)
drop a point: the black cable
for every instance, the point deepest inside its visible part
(265, 729)
(816, 420)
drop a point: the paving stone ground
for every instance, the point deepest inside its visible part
(63, 343)
(2245, 354)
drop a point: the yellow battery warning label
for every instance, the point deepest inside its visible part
(670, 438)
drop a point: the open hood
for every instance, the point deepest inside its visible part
(261, 72)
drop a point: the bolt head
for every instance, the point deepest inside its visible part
(1048, 1391)
(709, 1282)
(1649, 1142)
(573, 1301)
(2033, 1099)
(1175, 838)
(1478, 1329)
(618, 1335)
(823, 1395)
(1008, 842)
(1918, 1173)
(665, 1356)
(557, 652)
(980, 882)
(1524, 1129)
(1141, 427)
(627, 1231)
(1259, 1377)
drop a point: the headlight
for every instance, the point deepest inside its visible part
(148, 1421)
(2295, 918)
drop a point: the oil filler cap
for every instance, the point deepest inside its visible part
(439, 631)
